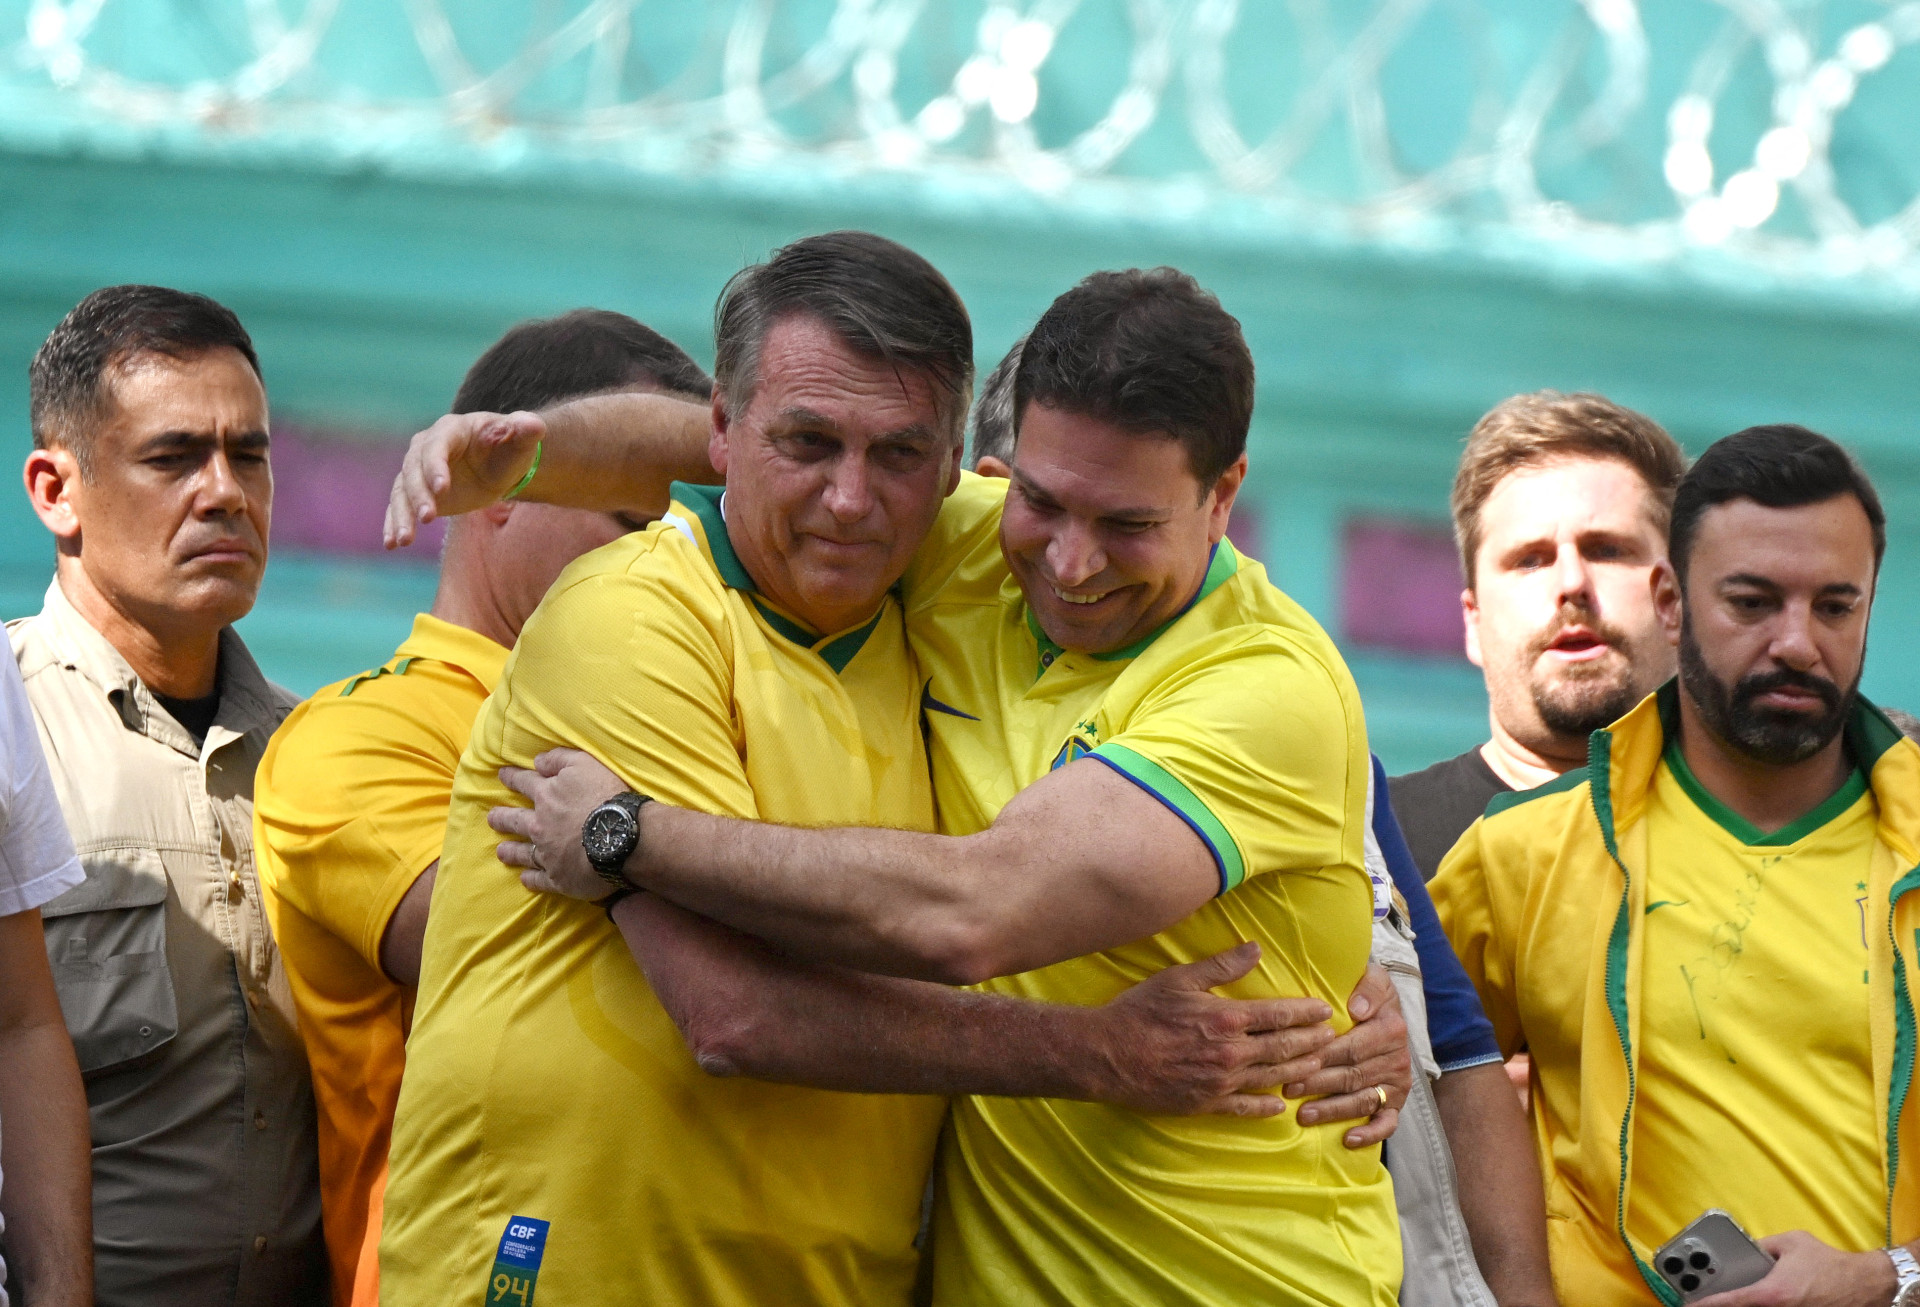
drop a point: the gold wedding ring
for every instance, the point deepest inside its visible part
(1382, 1091)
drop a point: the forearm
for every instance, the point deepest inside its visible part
(1499, 1182)
(746, 1010)
(897, 903)
(613, 452)
(46, 1162)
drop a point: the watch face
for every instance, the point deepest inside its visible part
(608, 836)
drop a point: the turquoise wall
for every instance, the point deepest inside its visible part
(372, 271)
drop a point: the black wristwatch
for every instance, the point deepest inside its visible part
(611, 834)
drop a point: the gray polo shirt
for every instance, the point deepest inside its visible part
(205, 1179)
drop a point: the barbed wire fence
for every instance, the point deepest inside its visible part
(838, 92)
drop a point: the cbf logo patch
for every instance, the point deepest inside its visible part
(1077, 747)
(516, 1267)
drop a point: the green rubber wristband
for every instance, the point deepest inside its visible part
(527, 480)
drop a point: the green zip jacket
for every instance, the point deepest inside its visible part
(1543, 899)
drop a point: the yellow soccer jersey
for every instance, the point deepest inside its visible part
(349, 807)
(1756, 1073)
(1240, 716)
(553, 1129)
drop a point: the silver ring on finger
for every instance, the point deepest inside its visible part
(533, 860)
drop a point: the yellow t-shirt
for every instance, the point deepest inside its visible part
(1755, 1085)
(1241, 717)
(349, 807)
(553, 1128)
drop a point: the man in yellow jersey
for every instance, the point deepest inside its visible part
(1148, 754)
(1706, 935)
(350, 800)
(746, 656)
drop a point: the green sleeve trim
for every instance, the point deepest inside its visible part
(1185, 804)
(399, 669)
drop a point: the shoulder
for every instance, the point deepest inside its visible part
(376, 711)
(32, 649)
(963, 544)
(1261, 643)
(646, 580)
(1520, 826)
(650, 607)
(1569, 793)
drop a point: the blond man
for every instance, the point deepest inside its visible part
(1560, 512)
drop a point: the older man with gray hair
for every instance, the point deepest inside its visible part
(723, 660)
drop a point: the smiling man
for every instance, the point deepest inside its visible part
(1714, 918)
(1143, 753)
(594, 1121)
(1560, 512)
(150, 470)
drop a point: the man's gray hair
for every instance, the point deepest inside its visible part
(993, 423)
(878, 296)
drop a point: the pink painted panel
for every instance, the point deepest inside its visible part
(330, 492)
(1400, 586)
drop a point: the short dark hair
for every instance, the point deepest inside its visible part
(992, 418)
(1150, 352)
(1781, 466)
(547, 360)
(882, 299)
(66, 382)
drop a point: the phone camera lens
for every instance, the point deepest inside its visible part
(1673, 1266)
(1689, 1282)
(1699, 1261)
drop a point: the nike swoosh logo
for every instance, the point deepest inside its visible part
(930, 704)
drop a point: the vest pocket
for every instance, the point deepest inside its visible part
(107, 941)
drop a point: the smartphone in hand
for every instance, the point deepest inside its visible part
(1712, 1255)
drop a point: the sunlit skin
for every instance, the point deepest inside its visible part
(1771, 589)
(162, 544)
(834, 473)
(1566, 559)
(1107, 531)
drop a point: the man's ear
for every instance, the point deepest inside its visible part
(1470, 618)
(1224, 491)
(717, 446)
(989, 466)
(1668, 604)
(52, 478)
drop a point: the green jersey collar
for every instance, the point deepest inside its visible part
(1222, 563)
(1745, 831)
(705, 503)
(837, 650)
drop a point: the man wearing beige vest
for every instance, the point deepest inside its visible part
(150, 470)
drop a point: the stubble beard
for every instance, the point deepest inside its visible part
(1580, 698)
(1584, 699)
